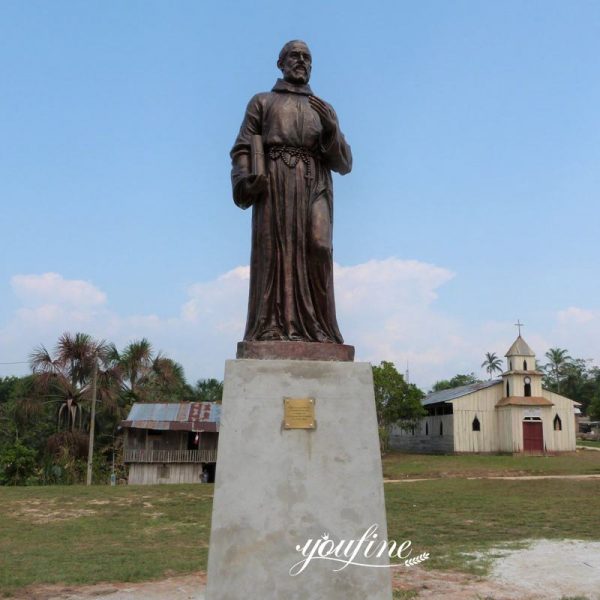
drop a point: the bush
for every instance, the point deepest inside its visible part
(17, 464)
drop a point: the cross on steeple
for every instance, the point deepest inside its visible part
(519, 325)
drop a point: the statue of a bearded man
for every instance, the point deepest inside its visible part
(291, 268)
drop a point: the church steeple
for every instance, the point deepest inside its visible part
(521, 377)
(518, 354)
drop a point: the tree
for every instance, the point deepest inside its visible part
(396, 401)
(594, 406)
(456, 381)
(146, 376)
(71, 377)
(8, 425)
(492, 363)
(558, 359)
(65, 377)
(18, 425)
(208, 390)
(17, 463)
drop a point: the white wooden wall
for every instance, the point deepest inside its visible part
(502, 428)
(565, 440)
(481, 404)
(506, 424)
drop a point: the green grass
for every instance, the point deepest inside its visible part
(78, 535)
(451, 517)
(397, 465)
(589, 443)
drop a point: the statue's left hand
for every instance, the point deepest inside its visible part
(256, 185)
(325, 112)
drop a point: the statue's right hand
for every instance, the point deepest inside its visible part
(256, 185)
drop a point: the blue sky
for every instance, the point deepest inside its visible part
(474, 198)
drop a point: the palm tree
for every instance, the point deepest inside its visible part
(146, 377)
(72, 377)
(65, 377)
(209, 390)
(492, 363)
(558, 361)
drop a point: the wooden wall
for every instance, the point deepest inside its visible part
(481, 404)
(151, 439)
(152, 473)
(421, 441)
(502, 428)
(565, 440)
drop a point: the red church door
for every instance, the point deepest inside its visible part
(533, 436)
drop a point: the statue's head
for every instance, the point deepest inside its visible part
(295, 62)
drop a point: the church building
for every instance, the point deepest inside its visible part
(512, 414)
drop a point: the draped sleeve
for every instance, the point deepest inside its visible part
(241, 163)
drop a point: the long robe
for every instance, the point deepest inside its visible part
(291, 266)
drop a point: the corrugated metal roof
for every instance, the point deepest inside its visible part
(155, 412)
(458, 392)
(184, 416)
(520, 348)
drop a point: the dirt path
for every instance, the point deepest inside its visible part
(588, 448)
(186, 587)
(546, 570)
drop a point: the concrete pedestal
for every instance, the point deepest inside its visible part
(277, 488)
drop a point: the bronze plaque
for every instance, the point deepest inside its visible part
(299, 413)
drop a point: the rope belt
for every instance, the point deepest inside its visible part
(292, 155)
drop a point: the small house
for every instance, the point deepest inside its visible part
(511, 414)
(171, 443)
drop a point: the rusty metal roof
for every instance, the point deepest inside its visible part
(184, 416)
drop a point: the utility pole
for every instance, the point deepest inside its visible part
(92, 422)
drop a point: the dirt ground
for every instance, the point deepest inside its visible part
(186, 587)
(546, 570)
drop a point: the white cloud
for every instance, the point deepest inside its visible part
(385, 284)
(219, 303)
(53, 289)
(387, 309)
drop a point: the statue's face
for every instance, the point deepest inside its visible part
(297, 64)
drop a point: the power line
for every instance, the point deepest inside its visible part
(17, 362)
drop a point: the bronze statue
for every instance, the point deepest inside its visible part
(291, 193)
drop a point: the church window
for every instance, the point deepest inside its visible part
(557, 423)
(510, 365)
(426, 428)
(527, 386)
(476, 424)
(441, 428)
(507, 389)
(524, 365)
